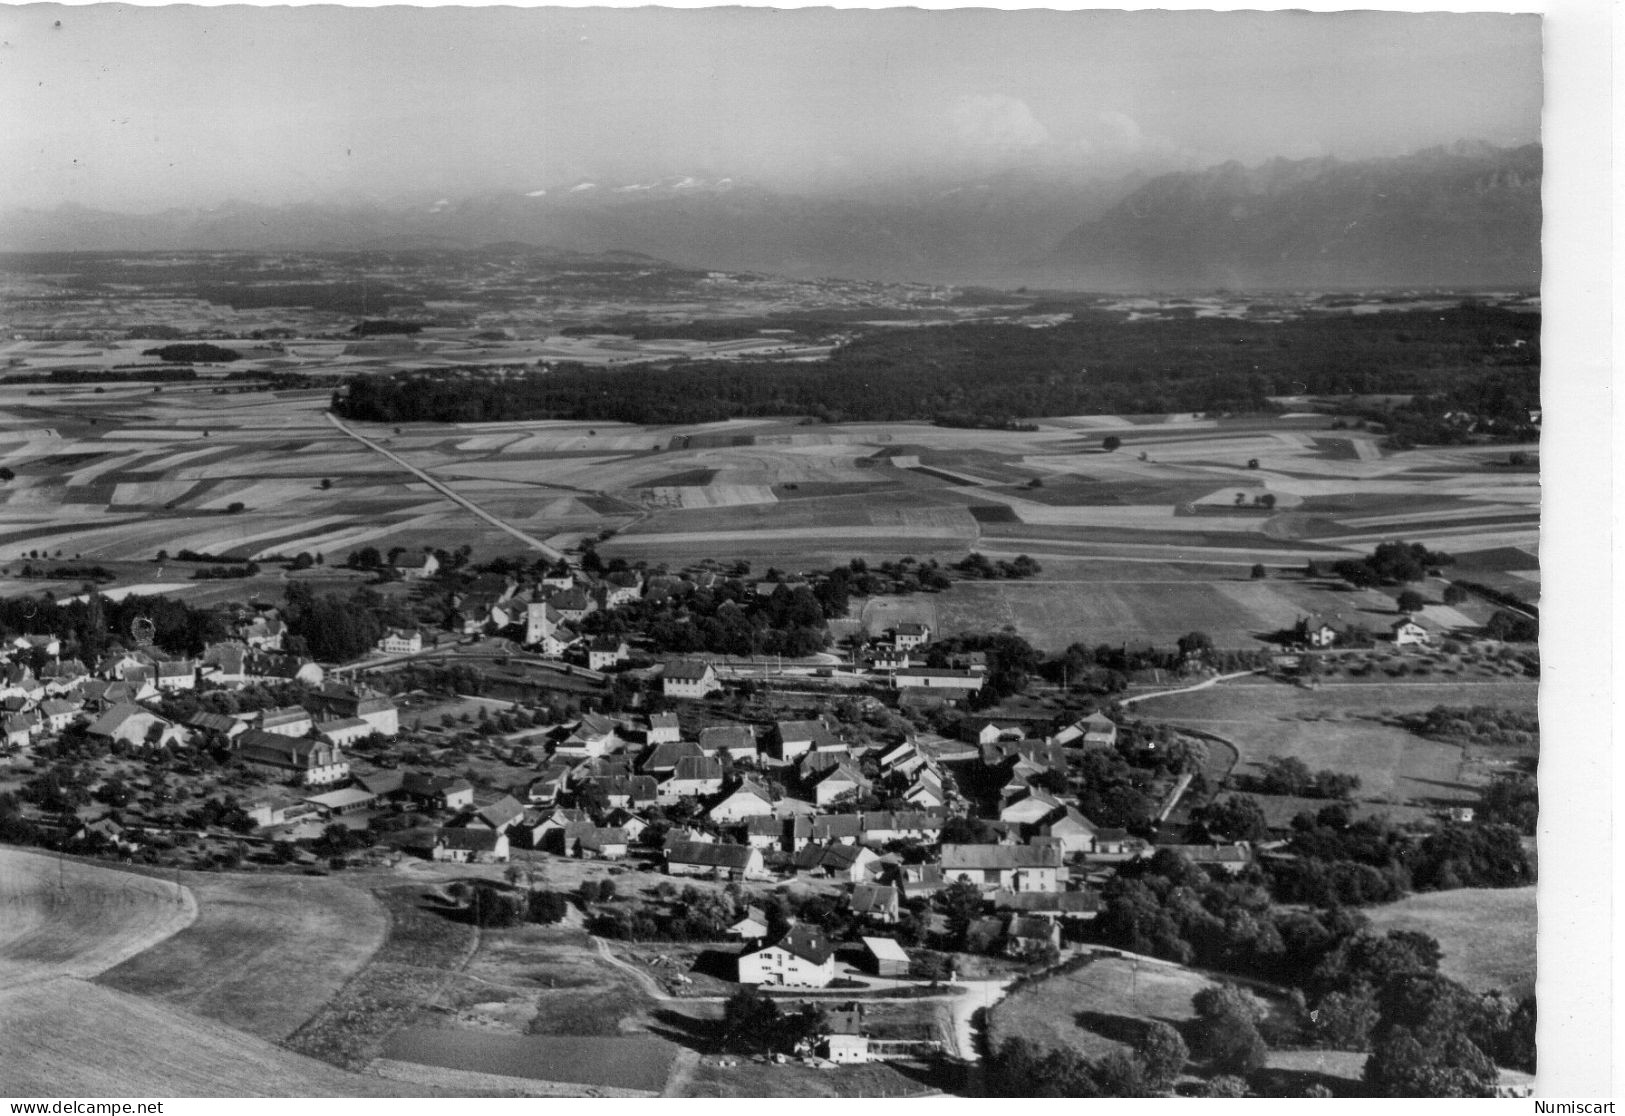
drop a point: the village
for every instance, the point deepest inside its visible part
(873, 820)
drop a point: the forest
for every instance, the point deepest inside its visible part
(1096, 363)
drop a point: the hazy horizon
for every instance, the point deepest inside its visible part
(143, 109)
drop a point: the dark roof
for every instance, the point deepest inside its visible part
(472, 840)
(981, 857)
(710, 854)
(686, 670)
(727, 736)
(665, 757)
(808, 942)
(698, 767)
(826, 827)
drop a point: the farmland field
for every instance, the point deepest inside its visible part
(72, 919)
(1487, 936)
(53, 936)
(264, 954)
(126, 472)
(1337, 726)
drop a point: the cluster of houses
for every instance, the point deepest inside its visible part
(545, 616)
(114, 701)
(1320, 631)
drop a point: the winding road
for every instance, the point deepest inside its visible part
(439, 486)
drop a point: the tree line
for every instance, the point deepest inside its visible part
(1097, 363)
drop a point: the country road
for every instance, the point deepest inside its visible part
(502, 525)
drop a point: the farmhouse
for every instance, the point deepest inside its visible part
(765, 832)
(752, 927)
(606, 652)
(437, 792)
(689, 678)
(356, 701)
(695, 777)
(401, 641)
(1408, 633)
(499, 815)
(790, 739)
(874, 901)
(716, 860)
(416, 567)
(841, 781)
(664, 728)
(1318, 631)
(662, 759)
(747, 801)
(802, 958)
(291, 720)
(344, 730)
(178, 674)
(906, 637)
(1094, 731)
(469, 846)
(313, 763)
(133, 725)
(737, 742)
(57, 714)
(1006, 867)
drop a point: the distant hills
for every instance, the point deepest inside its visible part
(1468, 215)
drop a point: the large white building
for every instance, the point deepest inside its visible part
(802, 958)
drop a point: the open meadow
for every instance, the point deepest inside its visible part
(1487, 936)
(123, 471)
(1340, 727)
(264, 954)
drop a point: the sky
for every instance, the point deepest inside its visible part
(146, 108)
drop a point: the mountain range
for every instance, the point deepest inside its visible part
(1463, 216)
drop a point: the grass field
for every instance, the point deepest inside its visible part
(1487, 936)
(65, 1035)
(1096, 1010)
(72, 919)
(264, 954)
(1335, 727)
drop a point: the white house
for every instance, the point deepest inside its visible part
(1008, 867)
(689, 678)
(714, 859)
(401, 641)
(802, 958)
(1408, 633)
(928, 678)
(748, 801)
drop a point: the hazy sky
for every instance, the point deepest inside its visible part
(141, 108)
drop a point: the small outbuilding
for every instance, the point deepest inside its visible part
(885, 957)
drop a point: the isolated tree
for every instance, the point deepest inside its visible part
(1411, 601)
(326, 483)
(1162, 1054)
(234, 507)
(1195, 643)
(1110, 443)
(1259, 573)
(1225, 1032)
(1454, 594)
(1252, 463)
